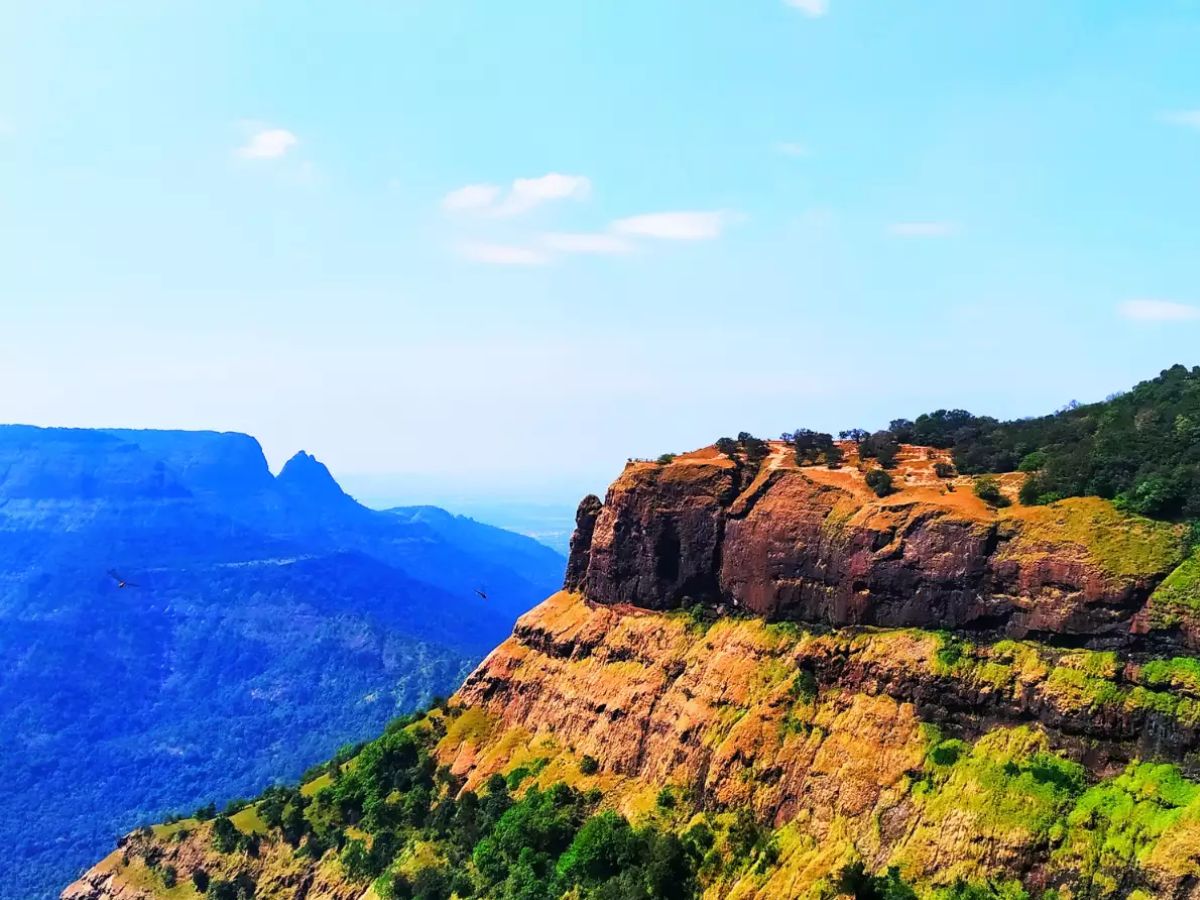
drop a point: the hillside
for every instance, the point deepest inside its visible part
(763, 680)
(267, 621)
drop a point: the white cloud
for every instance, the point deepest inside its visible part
(923, 229)
(814, 9)
(791, 148)
(674, 226)
(526, 193)
(1188, 118)
(471, 197)
(503, 254)
(523, 195)
(586, 242)
(1148, 310)
(268, 143)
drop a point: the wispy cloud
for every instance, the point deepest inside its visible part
(1149, 310)
(268, 143)
(791, 148)
(523, 195)
(674, 226)
(1187, 118)
(814, 9)
(503, 254)
(923, 229)
(470, 197)
(594, 243)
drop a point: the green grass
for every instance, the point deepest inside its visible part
(1117, 823)
(1181, 589)
(1119, 542)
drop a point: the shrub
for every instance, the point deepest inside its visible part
(880, 482)
(666, 458)
(943, 470)
(987, 489)
(200, 881)
(589, 765)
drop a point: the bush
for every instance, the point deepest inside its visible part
(666, 458)
(200, 881)
(987, 489)
(589, 765)
(943, 470)
(880, 482)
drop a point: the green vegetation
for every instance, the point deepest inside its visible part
(1141, 448)
(813, 447)
(987, 489)
(393, 800)
(880, 482)
(1181, 589)
(1117, 824)
(1119, 542)
(666, 458)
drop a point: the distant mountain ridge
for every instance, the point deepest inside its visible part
(269, 619)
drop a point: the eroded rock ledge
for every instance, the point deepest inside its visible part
(814, 545)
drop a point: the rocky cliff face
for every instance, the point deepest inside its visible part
(975, 698)
(815, 545)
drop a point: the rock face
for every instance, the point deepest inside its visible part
(916, 681)
(814, 545)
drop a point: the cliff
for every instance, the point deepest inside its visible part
(815, 545)
(813, 691)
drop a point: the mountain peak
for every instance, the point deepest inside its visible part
(306, 474)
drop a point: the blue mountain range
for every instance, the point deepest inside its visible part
(178, 625)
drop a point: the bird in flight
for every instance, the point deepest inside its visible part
(121, 582)
(482, 593)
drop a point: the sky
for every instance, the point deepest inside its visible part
(494, 249)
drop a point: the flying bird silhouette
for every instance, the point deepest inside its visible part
(482, 593)
(121, 582)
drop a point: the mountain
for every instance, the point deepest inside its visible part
(778, 670)
(266, 620)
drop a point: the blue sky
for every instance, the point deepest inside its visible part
(497, 248)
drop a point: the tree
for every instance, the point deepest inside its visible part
(727, 445)
(943, 470)
(200, 881)
(987, 489)
(431, 883)
(225, 836)
(881, 446)
(589, 765)
(880, 482)
(754, 449)
(811, 446)
(604, 846)
(857, 882)
(858, 435)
